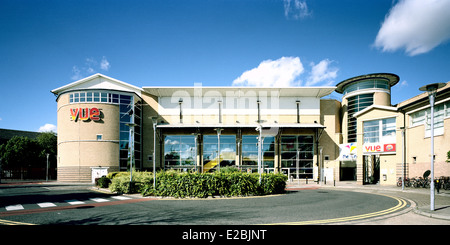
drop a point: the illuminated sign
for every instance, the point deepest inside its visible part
(85, 114)
(379, 148)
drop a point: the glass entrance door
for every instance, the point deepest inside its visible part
(371, 168)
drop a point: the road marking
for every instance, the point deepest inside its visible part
(46, 204)
(9, 222)
(14, 207)
(121, 197)
(401, 204)
(74, 202)
(99, 200)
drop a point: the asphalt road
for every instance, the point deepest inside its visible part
(305, 206)
(74, 213)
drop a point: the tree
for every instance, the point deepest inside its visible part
(19, 152)
(48, 144)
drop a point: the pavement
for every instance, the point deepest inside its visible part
(420, 196)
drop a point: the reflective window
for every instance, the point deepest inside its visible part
(227, 151)
(379, 131)
(355, 104)
(297, 153)
(179, 150)
(250, 151)
(423, 117)
(367, 84)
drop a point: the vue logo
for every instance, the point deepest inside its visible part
(85, 114)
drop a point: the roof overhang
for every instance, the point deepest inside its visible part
(317, 92)
(264, 126)
(98, 81)
(381, 107)
(392, 78)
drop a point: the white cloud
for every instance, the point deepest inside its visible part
(296, 9)
(47, 128)
(89, 68)
(272, 73)
(286, 72)
(104, 64)
(401, 85)
(76, 73)
(322, 73)
(418, 26)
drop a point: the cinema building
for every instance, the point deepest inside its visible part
(105, 124)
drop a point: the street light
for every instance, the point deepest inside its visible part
(219, 131)
(46, 168)
(155, 123)
(131, 150)
(259, 128)
(431, 90)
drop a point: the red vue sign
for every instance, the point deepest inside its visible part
(85, 114)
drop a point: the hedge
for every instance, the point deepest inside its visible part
(186, 184)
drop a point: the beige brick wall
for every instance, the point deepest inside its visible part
(78, 148)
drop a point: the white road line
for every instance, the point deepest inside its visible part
(99, 200)
(121, 197)
(46, 204)
(14, 207)
(74, 202)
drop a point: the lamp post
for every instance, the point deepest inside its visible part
(155, 122)
(431, 90)
(131, 150)
(219, 131)
(259, 129)
(46, 168)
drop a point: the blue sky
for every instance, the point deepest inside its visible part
(46, 44)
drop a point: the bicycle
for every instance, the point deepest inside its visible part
(445, 182)
(407, 182)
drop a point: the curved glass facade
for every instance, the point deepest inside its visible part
(355, 104)
(367, 84)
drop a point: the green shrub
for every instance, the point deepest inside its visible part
(121, 182)
(102, 182)
(223, 183)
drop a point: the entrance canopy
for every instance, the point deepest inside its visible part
(264, 126)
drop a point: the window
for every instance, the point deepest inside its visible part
(423, 117)
(179, 150)
(447, 109)
(99, 137)
(367, 84)
(89, 97)
(418, 118)
(298, 148)
(356, 104)
(96, 97)
(379, 131)
(438, 121)
(227, 151)
(82, 97)
(250, 151)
